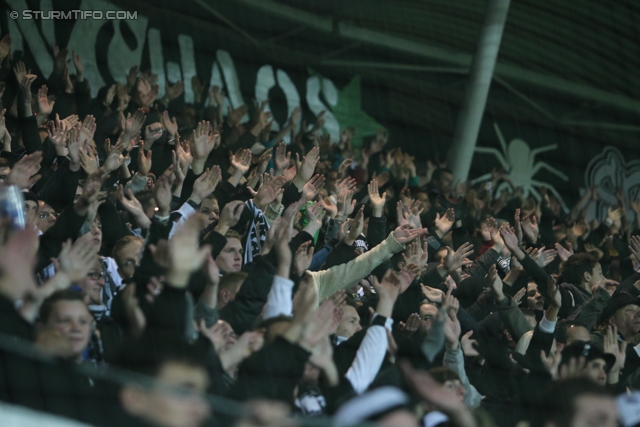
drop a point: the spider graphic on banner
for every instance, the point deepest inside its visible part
(519, 164)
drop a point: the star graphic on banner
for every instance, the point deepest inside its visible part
(348, 111)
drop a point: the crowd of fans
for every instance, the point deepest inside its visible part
(187, 246)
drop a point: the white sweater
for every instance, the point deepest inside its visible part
(345, 276)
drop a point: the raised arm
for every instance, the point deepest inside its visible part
(373, 348)
(453, 356)
(345, 276)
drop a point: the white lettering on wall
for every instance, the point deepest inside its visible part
(331, 124)
(232, 85)
(156, 57)
(188, 62)
(47, 24)
(290, 92)
(216, 80)
(30, 31)
(174, 73)
(16, 35)
(121, 57)
(265, 80)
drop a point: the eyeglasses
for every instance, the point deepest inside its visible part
(96, 275)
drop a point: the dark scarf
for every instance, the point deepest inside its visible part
(255, 237)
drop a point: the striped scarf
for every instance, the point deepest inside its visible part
(257, 233)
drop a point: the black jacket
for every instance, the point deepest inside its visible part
(271, 373)
(12, 323)
(243, 311)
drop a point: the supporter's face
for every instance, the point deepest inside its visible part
(31, 210)
(428, 313)
(230, 258)
(166, 409)
(92, 285)
(311, 373)
(127, 257)
(210, 209)
(534, 299)
(150, 183)
(596, 275)
(332, 178)
(150, 211)
(441, 254)
(72, 318)
(479, 203)
(456, 387)
(595, 411)
(596, 370)
(444, 183)
(3, 173)
(187, 118)
(577, 333)
(424, 198)
(225, 296)
(46, 217)
(627, 319)
(96, 232)
(228, 335)
(350, 323)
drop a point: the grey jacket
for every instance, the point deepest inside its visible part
(454, 360)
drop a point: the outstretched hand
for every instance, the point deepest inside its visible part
(436, 394)
(313, 187)
(302, 258)
(134, 207)
(444, 223)
(618, 349)
(23, 173)
(181, 255)
(229, 216)
(454, 260)
(388, 290)
(376, 200)
(564, 253)
(307, 166)
(509, 237)
(404, 234)
(452, 328)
